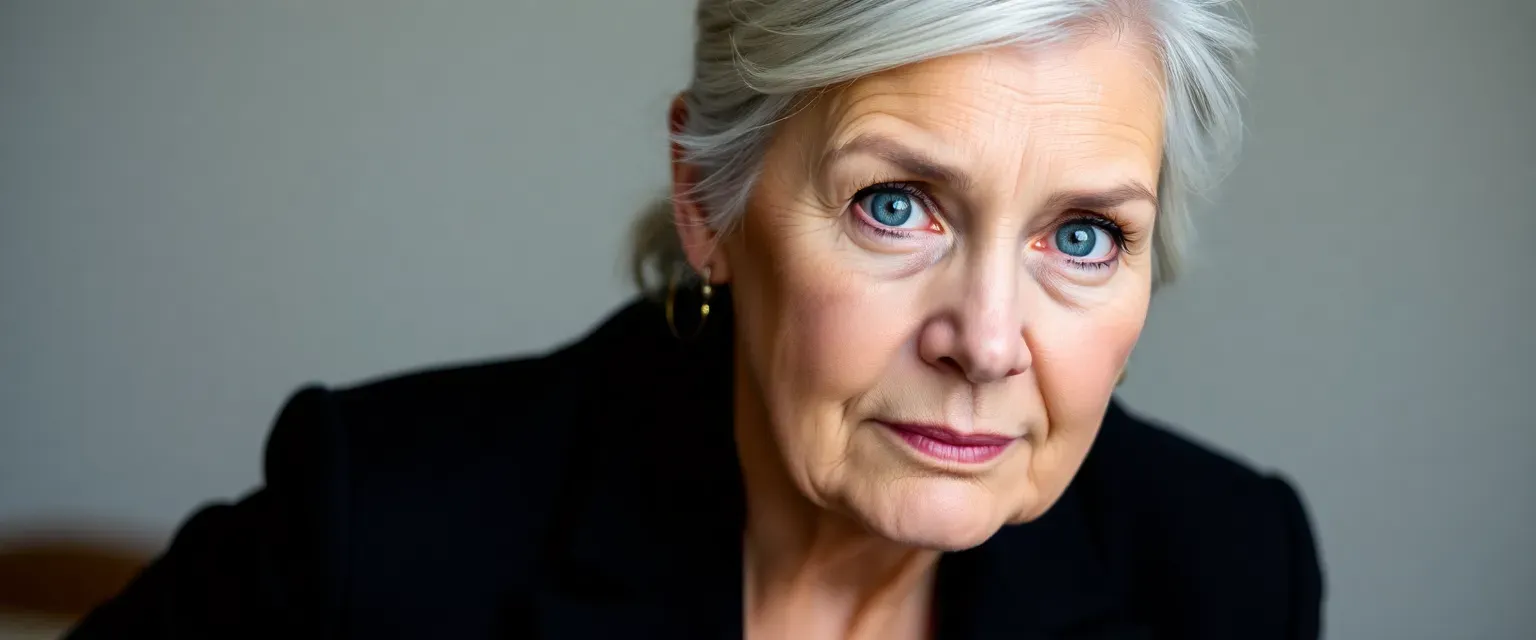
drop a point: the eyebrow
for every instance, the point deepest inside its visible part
(915, 162)
(900, 155)
(1098, 200)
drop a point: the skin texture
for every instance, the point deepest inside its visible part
(972, 317)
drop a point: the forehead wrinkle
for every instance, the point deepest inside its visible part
(1037, 123)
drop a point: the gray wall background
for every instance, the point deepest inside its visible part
(204, 204)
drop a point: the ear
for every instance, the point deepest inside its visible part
(701, 244)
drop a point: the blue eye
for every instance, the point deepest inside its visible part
(890, 208)
(895, 207)
(1084, 241)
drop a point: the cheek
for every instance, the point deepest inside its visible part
(1080, 358)
(1079, 352)
(1078, 355)
(838, 335)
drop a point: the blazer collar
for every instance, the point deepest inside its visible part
(648, 543)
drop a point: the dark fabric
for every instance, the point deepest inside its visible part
(595, 493)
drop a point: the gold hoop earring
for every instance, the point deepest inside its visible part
(706, 290)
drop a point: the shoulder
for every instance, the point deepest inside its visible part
(1213, 539)
(451, 414)
(506, 413)
(398, 475)
(454, 476)
(1170, 478)
(481, 451)
(1157, 463)
(410, 506)
(409, 422)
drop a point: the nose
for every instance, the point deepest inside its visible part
(980, 335)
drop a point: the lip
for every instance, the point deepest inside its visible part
(942, 443)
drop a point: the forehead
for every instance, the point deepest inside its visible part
(1097, 102)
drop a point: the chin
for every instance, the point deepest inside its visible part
(944, 514)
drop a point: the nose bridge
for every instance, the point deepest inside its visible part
(989, 319)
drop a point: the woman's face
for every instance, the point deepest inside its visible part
(939, 278)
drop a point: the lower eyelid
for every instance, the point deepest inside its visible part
(867, 225)
(1094, 266)
(885, 231)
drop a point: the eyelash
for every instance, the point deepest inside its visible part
(1117, 231)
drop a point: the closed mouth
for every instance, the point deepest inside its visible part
(946, 444)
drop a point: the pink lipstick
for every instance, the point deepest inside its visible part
(943, 443)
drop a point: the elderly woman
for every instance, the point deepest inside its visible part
(908, 249)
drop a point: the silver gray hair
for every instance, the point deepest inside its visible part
(755, 61)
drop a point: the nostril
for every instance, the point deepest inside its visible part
(951, 363)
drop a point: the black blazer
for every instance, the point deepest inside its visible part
(530, 499)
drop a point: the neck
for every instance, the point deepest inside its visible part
(810, 571)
